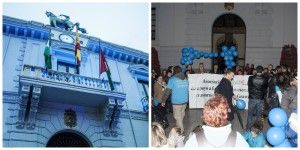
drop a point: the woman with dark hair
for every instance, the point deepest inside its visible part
(201, 68)
(216, 131)
(190, 69)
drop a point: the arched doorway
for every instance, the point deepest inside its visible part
(68, 138)
(229, 30)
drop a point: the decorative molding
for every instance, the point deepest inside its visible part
(136, 115)
(11, 97)
(139, 71)
(262, 9)
(195, 9)
(35, 98)
(40, 31)
(25, 91)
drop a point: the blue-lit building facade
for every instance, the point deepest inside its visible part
(70, 105)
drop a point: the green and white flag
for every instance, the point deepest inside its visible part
(47, 55)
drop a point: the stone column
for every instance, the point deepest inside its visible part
(25, 90)
(35, 98)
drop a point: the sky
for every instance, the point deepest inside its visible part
(125, 24)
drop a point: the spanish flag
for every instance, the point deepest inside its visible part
(77, 50)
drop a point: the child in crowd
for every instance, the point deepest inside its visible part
(175, 138)
(255, 137)
(159, 138)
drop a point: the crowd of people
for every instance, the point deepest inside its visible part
(268, 88)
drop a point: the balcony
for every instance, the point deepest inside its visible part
(38, 85)
(69, 88)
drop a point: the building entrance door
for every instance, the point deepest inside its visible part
(67, 139)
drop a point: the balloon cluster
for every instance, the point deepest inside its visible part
(229, 55)
(189, 54)
(276, 135)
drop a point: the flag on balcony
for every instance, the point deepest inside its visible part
(47, 55)
(77, 50)
(103, 67)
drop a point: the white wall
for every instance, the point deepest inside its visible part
(11, 63)
(130, 87)
(269, 26)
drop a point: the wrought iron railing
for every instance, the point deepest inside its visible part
(68, 78)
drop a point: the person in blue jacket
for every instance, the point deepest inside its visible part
(255, 137)
(179, 95)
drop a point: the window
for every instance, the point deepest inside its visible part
(153, 23)
(68, 68)
(143, 88)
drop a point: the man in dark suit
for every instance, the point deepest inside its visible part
(225, 89)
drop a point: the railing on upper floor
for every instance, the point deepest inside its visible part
(68, 78)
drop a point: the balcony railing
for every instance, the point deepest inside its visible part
(68, 78)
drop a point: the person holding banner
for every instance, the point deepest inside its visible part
(225, 89)
(179, 95)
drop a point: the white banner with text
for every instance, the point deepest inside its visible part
(202, 87)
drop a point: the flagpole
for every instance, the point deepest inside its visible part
(99, 59)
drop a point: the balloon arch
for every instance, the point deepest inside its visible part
(189, 54)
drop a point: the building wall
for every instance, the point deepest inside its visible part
(18, 51)
(50, 119)
(268, 27)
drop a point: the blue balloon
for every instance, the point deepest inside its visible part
(224, 48)
(233, 48)
(278, 117)
(226, 54)
(227, 63)
(200, 53)
(191, 49)
(211, 55)
(187, 54)
(215, 55)
(233, 63)
(285, 143)
(184, 50)
(229, 53)
(185, 59)
(190, 62)
(275, 136)
(192, 56)
(205, 55)
(240, 104)
(182, 62)
(195, 53)
(230, 58)
(222, 54)
(235, 53)
(226, 58)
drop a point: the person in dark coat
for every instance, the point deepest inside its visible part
(225, 89)
(257, 87)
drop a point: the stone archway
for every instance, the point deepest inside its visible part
(68, 138)
(229, 29)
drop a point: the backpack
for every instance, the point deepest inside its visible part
(202, 141)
